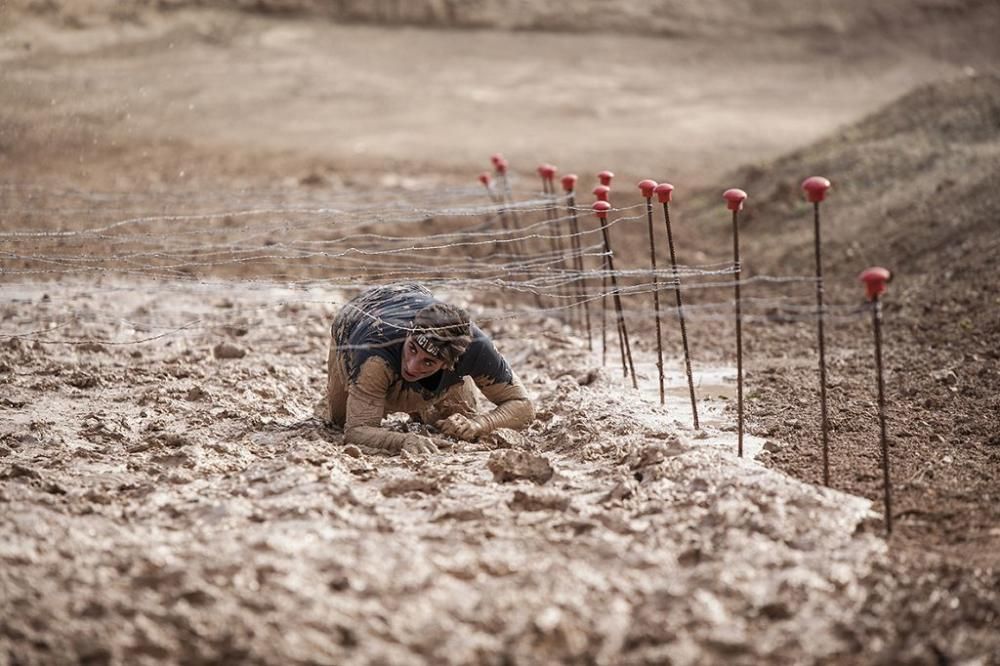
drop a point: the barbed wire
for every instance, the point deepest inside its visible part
(383, 212)
(763, 309)
(532, 247)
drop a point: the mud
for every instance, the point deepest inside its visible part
(165, 502)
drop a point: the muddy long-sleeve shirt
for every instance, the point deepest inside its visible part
(369, 333)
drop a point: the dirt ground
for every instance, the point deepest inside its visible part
(175, 500)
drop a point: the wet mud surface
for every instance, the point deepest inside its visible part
(164, 502)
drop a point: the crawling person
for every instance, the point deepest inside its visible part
(397, 349)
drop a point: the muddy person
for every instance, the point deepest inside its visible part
(398, 349)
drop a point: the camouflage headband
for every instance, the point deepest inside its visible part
(421, 340)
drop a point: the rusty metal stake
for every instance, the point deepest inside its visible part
(735, 199)
(664, 192)
(824, 421)
(886, 483)
(602, 192)
(815, 188)
(647, 186)
(604, 313)
(621, 340)
(485, 179)
(875, 280)
(568, 183)
(602, 211)
(507, 198)
(547, 173)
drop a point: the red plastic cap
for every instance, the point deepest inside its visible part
(605, 177)
(875, 278)
(501, 165)
(734, 198)
(647, 186)
(547, 171)
(664, 192)
(496, 158)
(569, 182)
(601, 209)
(485, 179)
(602, 192)
(815, 188)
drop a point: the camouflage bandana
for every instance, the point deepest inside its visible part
(425, 343)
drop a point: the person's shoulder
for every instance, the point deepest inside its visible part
(372, 361)
(478, 333)
(375, 366)
(481, 341)
(481, 351)
(483, 362)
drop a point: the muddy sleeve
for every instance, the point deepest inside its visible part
(366, 406)
(513, 407)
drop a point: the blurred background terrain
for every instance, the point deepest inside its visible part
(158, 108)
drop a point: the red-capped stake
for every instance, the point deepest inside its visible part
(601, 209)
(485, 178)
(602, 192)
(496, 158)
(605, 178)
(548, 172)
(501, 166)
(815, 188)
(734, 198)
(664, 192)
(647, 187)
(734, 201)
(569, 182)
(875, 278)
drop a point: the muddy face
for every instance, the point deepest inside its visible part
(418, 364)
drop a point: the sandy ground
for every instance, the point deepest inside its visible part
(362, 98)
(164, 502)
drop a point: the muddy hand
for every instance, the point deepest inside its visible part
(443, 444)
(418, 444)
(460, 426)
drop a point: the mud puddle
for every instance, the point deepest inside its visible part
(715, 394)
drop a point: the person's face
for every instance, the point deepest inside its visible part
(418, 364)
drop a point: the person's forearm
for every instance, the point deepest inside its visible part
(375, 437)
(514, 414)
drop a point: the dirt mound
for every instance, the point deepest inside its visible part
(915, 189)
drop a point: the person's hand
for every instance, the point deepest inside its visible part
(461, 427)
(418, 444)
